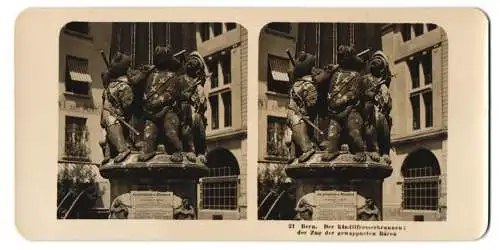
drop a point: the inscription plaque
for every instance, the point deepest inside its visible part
(151, 205)
(335, 205)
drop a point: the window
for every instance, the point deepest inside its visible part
(277, 78)
(422, 100)
(415, 108)
(418, 29)
(421, 181)
(427, 96)
(406, 32)
(219, 190)
(414, 68)
(280, 27)
(213, 67)
(427, 67)
(77, 77)
(421, 189)
(276, 134)
(225, 62)
(204, 29)
(217, 28)
(222, 61)
(421, 90)
(80, 27)
(230, 26)
(226, 101)
(220, 67)
(76, 139)
(431, 26)
(226, 111)
(214, 106)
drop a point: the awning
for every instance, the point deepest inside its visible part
(279, 68)
(78, 69)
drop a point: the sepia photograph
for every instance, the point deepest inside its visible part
(152, 121)
(353, 122)
(266, 124)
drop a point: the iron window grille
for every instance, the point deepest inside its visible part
(276, 134)
(76, 139)
(421, 189)
(220, 190)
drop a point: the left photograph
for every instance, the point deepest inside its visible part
(152, 121)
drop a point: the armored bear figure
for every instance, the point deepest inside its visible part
(117, 98)
(343, 100)
(161, 96)
(194, 105)
(303, 97)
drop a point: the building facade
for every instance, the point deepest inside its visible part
(274, 88)
(418, 53)
(80, 88)
(223, 194)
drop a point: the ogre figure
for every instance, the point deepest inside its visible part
(343, 100)
(161, 96)
(194, 105)
(117, 98)
(303, 97)
(185, 211)
(383, 106)
(376, 106)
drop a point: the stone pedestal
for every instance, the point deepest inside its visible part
(155, 189)
(338, 190)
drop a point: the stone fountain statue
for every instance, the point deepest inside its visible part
(155, 166)
(342, 175)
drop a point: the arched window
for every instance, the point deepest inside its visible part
(220, 189)
(421, 184)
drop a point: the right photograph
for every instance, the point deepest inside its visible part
(353, 122)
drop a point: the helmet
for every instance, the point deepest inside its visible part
(304, 65)
(379, 64)
(195, 65)
(348, 59)
(163, 58)
(119, 65)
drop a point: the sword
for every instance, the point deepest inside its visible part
(128, 125)
(180, 53)
(307, 121)
(123, 122)
(362, 53)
